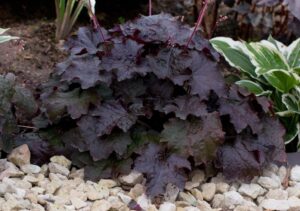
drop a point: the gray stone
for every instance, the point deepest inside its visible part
(218, 201)
(101, 205)
(282, 173)
(273, 204)
(295, 173)
(189, 198)
(208, 191)
(251, 190)
(294, 203)
(78, 203)
(197, 194)
(232, 198)
(20, 155)
(61, 160)
(58, 169)
(132, 179)
(108, 183)
(198, 176)
(222, 187)
(171, 193)
(269, 183)
(277, 194)
(30, 169)
(167, 206)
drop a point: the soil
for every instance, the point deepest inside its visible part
(33, 57)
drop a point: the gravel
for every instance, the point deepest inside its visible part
(55, 186)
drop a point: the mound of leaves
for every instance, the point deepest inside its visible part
(144, 100)
(17, 107)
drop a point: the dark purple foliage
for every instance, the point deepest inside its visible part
(143, 100)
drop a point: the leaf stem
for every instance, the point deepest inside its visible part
(199, 21)
(150, 7)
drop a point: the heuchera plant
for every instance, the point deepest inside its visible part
(144, 100)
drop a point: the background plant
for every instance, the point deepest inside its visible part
(268, 68)
(5, 38)
(67, 12)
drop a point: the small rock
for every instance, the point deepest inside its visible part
(252, 190)
(277, 194)
(31, 179)
(295, 173)
(132, 179)
(208, 191)
(293, 191)
(44, 169)
(30, 169)
(294, 203)
(38, 190)
(268, 183)
(234, 186)
(58, 169)
(282, 173)
(8, 169)
(136, 191)
(3, 188)
(246, 208)
(125, 199)
(198, 176)
(143, 201)
(108, 183)
(171, 193)
(97, 194)
(189, 198)
(78, 203)
(115, 202)
(61, 160)
(20, 155)
(204, 206)
(53, 186)
(197, 194)
(232, 198)
(273, 204)
(190, 185)
(218, 201)
(222, 187)
(102, 205)
(167, 206)
(190, 208)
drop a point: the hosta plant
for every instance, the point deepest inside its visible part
(5, 38)
(143, 99)
(268, 68)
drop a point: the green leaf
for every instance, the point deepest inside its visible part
(6, 38)
(234, 55)
(280, 46)
(251, 86)
(291, 103)
(281, 80)
(294, 54)
(266, 57)
(292, 133)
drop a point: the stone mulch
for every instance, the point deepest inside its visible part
(57, 186)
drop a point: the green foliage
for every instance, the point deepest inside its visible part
(5, 38)
(268, 68)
